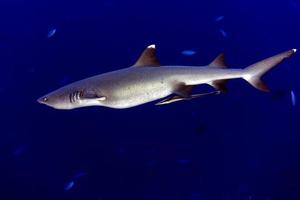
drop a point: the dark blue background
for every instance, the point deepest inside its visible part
(242, 145)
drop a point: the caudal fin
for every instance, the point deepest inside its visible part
(253, 73)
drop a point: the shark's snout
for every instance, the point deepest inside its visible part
(57, 100)
(42, 100)
(39, 100)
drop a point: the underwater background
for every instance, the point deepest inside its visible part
(241, 145)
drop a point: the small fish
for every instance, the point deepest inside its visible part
(69, 185)
(223, 33)
(219, 18)
(188, 52)
(51, 33)
(293, 98)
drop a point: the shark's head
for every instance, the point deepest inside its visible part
(71, 97)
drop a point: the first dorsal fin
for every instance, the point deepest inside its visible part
(148, 58)
(219, 61)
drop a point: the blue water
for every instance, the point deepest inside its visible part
(242, 145)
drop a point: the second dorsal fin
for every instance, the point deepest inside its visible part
(148, 58)
(219, 61)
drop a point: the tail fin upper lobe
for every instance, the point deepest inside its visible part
(254, 72)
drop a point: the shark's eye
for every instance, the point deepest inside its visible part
(45, 99)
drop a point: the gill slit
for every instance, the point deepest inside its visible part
(75, 96)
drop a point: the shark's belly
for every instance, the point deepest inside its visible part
(135, 93)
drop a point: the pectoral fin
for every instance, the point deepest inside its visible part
(175, 98)
(101, 98)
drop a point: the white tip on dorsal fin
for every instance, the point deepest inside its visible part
(148, 58)
(152, 46)
(219, 61)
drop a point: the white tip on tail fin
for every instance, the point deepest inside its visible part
(254, 72)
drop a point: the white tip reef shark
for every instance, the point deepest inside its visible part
(148, 81)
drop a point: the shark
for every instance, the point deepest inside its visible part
(147, 81)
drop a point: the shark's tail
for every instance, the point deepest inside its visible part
(253, 73)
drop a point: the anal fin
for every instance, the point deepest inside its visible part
(219, 85)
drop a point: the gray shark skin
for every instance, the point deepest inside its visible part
(147, 81)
